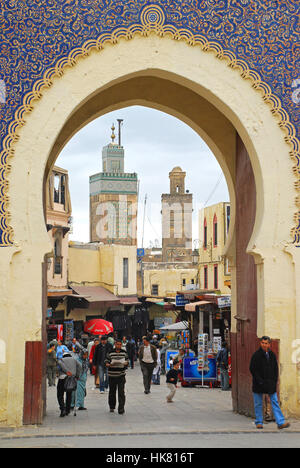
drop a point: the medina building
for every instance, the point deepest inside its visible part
(214, 269)
(58, 219)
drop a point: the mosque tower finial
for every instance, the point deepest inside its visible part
(113, 136)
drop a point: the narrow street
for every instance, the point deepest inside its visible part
(198, 418)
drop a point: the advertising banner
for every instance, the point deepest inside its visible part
(171, 354)
(192, 373)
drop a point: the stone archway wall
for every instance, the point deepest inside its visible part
(194, 70)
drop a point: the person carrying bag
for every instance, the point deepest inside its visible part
(70, 370)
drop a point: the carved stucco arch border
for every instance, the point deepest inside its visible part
(145, 29)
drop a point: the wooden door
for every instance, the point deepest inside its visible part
(244, 342)
(35, 388)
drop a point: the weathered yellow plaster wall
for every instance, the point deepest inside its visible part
(84, 266)
(111, 266)
(210, 89)
(169, 281)
(102, 265)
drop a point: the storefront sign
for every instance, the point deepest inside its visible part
(140, 255)
(224, 301)
(181, 301)
(162, 322)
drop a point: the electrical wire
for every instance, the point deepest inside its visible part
(215, 188)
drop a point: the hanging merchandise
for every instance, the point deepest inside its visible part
(69, 331)
(185, 340)
(217, 344)
(203, 363)
(60, 333)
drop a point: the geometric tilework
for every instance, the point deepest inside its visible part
(39, 38)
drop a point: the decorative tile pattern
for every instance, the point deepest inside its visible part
(39, 38)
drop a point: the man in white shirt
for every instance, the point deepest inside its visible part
(148, 361)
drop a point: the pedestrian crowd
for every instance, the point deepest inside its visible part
(109, 357)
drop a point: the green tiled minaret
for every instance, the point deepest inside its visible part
(113, 199)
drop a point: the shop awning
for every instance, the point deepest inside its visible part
(193, 294)
(55, 293)
(127, 300)
(193, 305)
(157, 301)
(97, 294)
(176, 326)
(170, 306)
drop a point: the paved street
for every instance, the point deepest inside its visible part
(198, 418)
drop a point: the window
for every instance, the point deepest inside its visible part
(154, 290)
(227, 219)
(62, 190)
(57, 257)
(184, 282)
(59, 195)
(56, 188)
(205, 277)
(205, 234)
(216, 282)
(172, 219)
(115, 166)
(215, 231)
(125, 272)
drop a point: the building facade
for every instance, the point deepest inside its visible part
(214, 271)
(113, 199)
(58, 215)
(163, 281)
(103, 281)
(110, 266)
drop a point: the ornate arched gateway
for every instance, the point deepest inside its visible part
(229, 70)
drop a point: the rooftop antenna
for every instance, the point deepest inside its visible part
(120, 121)
(145, 203)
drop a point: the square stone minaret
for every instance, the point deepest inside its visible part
(177, 212)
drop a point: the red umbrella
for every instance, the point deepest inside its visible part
(98, 327)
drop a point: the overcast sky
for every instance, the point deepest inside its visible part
(154, 144)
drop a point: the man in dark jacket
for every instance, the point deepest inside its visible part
(264, 370)
(148, 360)
(223, 364)
(99, 358)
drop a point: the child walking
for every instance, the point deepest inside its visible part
(172, 379)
